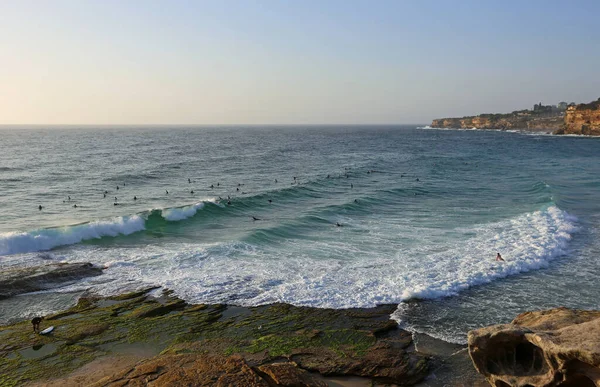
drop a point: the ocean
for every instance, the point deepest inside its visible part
(347, 216)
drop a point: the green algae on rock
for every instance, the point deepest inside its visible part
(357, 342)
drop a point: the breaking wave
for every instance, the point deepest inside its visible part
(46, 239)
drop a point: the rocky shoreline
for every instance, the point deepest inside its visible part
(151, 338)
(581, 119)
(136, 339)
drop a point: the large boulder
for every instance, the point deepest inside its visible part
(32, 279)
(557, 347)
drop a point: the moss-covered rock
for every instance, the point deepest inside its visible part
(360, 342)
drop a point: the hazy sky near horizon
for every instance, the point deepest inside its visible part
(291, 62)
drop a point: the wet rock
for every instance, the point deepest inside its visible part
(32, 279)
(83, 332)
(382, 362)
(153, 310)
(288, 374)
(273, 345)
(187, 370)
(557, 347)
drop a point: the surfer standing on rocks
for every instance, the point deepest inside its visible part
(36, 324)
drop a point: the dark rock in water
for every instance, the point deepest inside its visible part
(557, 347)
(46, 256)
(31, 279)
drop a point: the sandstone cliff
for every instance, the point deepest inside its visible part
(557, 347)
(502, 121)
(582, 119)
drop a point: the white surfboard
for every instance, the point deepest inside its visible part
(47, 330)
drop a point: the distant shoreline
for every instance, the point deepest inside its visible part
(581, 119)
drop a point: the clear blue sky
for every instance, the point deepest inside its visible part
(286, 62)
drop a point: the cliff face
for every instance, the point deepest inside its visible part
(501, 121)
(582, 119)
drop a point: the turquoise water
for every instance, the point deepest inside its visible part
(422, 213)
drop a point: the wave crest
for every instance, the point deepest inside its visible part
(46, 239)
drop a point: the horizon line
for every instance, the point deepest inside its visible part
(218, 125)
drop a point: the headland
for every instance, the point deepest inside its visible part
(563, 118)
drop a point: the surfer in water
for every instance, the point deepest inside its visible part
(255, 218)
(40, 207)
(36, 324)
(499, 258)
(337, 224)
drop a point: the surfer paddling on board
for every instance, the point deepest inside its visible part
(36, 324)
(499, 258)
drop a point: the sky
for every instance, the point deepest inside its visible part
(291, 62)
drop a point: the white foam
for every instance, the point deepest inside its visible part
(340, 273)
(17, 242)
(180, 213)
(528, 242)
(46, 239)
